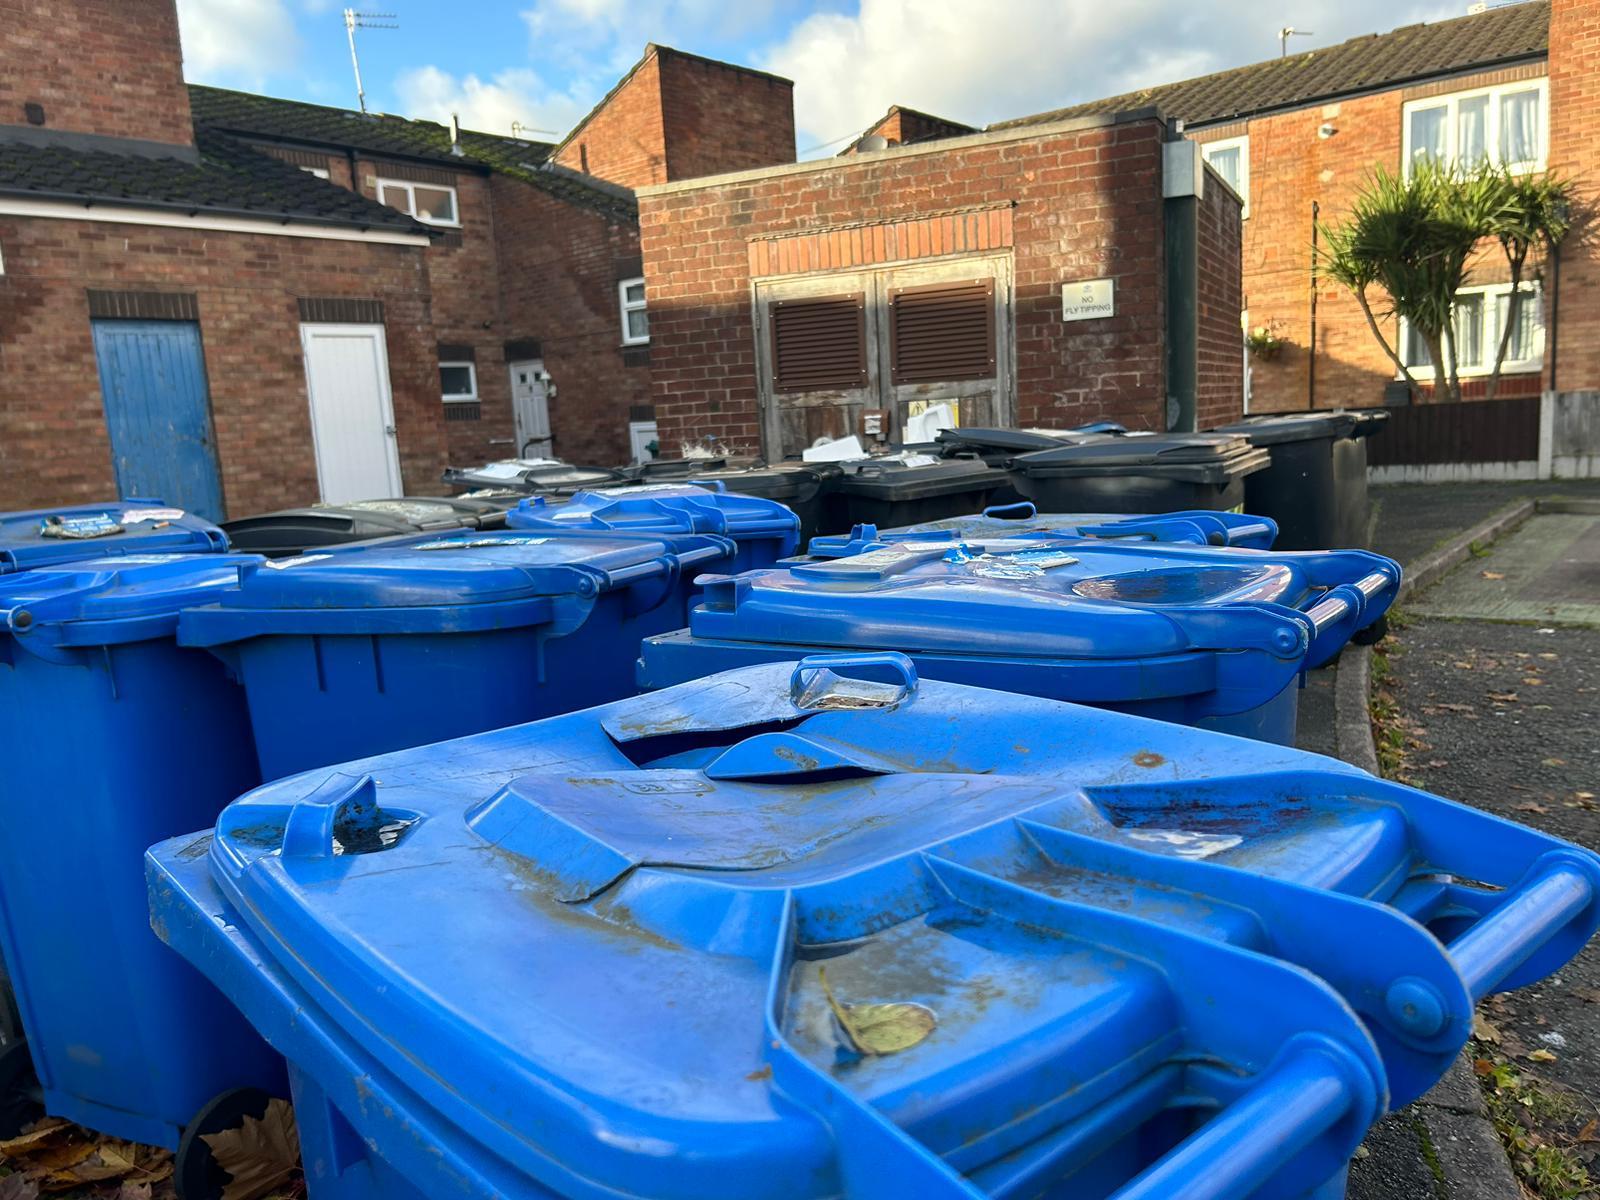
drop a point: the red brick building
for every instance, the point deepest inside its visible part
(1297, 136)
(1078, 271)
(242, 303)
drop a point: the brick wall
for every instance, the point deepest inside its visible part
(1292, 166)
(1219, 392)
(1082, 203)
(559, 268)
(624, 139)
(722, 118)
(679, 116)
(1575, 152)
(111, 67)
(53, 441)
(901, 125)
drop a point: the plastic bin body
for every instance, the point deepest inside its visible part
(1205, 636)
(296, 531)
(1201, 528)
(115, 738)
(763, 530)
(1241, 954)
(412, 640)
(895, 491)
(108, 531)
(1316, 486)
(1157, 473)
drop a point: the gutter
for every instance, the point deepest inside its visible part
(415, 229)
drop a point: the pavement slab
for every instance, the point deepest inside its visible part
(1547, 571)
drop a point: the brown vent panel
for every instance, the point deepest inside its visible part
(819, 343)
(942, 332)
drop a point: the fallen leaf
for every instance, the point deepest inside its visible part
(133, 1191)
(1586, 1134)
(1541, 1056)
(1492, 574)
(1532, 681)
(1436, 764)
(260, 1154)
(1483, 1029)
(1549, 655)
(1530, 806)
(1482, 1066)
(1502, 697)
(1555, 762)
(1583, 795)
(1462, 666)
(875, 1028)
(1457, 708)
(42, 1132)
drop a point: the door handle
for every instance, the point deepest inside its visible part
(389, 429)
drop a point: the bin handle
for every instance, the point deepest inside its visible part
(309, 827)
(1559, 887)
(1296, 1100)
(1021, 510)
(808, 691)
(1337, 613)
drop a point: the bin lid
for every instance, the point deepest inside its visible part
(298, 529)
(55, 535)
(452, 582)
(915, 477)
(672, 507)
(790, 482)
(1276, 429)
(108, 601)
(748, 935)
(1199, 527)
(532, 475)
(1208, 457)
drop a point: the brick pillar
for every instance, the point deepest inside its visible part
(1575, 153)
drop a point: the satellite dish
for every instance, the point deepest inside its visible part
(873, 141)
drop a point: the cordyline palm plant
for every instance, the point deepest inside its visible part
(1405, 249)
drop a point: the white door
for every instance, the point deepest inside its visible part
(352, 412)
(530, 407)
(640, 435)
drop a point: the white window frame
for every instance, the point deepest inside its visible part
(472, 374)
(1491, 293)
(411, 199)
(1207, 149)
(626, 306)
(1451, 102)
(319, 172)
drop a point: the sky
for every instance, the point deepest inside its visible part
(544, 63)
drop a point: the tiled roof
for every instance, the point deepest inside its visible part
(374, 133)
(229, 178)
(1414, 52)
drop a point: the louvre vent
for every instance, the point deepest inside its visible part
(819, 343)
(942, 332)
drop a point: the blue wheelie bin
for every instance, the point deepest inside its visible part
(381, 645)
(47, 536)
(114, 737)
(830, 931)
(763, 530)
(1201, 635)
(1200, 527)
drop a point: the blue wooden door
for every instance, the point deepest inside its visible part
(158, 412)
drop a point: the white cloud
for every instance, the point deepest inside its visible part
(490, 105)
(239, 42)
(980, 61)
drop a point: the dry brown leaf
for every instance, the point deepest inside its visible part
(1532, 681)
(39, 1134)
(260, 1155)
(1531, 806)
(1492, 574)
(1555, 762)
(1586, 1134)
(1484, 1030)
(1502, 697)
(1482, 1066)
(1541, 1056)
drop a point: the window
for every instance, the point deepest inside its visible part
(1501, 125)
(1231, 158)
(458, 382)
(1481, 316)
(427, 202)
(635, 320)
(319, 172)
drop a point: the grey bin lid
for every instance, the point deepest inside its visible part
(1012, 441)
(1195, 457)
(892, 479)
(1274, 430)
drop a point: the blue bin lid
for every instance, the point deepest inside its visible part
(643, 945)
(1048, 598)
(107, 601)
(454, 583)
(669, 507)
(86, 531)
(1201, 527)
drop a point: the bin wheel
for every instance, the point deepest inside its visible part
(21, 1098)
(1372, 634)
(195, 1173)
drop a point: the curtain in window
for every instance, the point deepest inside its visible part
(1519, 127)
(1469, 331)
(1429, 130)
(1472, 131)
(1525, 326)
(1227, 164)
(1415, 351)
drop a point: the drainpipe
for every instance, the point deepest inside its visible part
(1555, 309)
(1311, 363)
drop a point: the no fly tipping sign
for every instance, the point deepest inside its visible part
(1086, 300)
